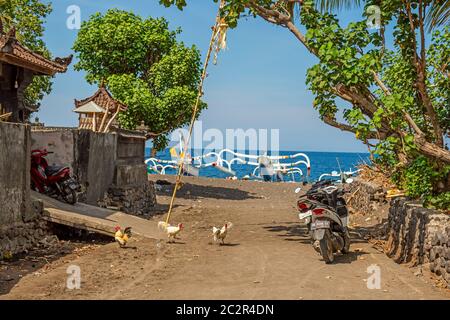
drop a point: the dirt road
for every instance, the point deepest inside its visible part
(267, 256)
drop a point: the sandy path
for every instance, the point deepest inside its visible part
(268, 256)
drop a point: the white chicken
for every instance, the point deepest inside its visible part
(162, 225)
(221, 234)
(172, 231)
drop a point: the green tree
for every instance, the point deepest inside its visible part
(394, 97)
(28, 17)
(438, 13)
(144, 67)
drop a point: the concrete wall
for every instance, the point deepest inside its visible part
(20, 225)
(98, 160)
(90, 155)
(130, 169)
(60, 142)
(101, 163)
(15, 150)
(130, 149)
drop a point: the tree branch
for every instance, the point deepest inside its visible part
(345, 127)
(420, 65)
(387, 92)
(381, 84)
(431, 149)
(278, 18)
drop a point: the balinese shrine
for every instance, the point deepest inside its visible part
(18, 66)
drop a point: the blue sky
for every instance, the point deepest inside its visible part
(258, 83)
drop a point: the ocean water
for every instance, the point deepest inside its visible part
(321, 162)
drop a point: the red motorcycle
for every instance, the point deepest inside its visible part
(54, 181)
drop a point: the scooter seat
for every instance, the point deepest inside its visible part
(54, 170)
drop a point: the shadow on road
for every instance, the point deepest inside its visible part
(229, 244)
(299, 233)
(160, 209)
(349, 257)
(176, 242)
(193, 192)
(291, 233)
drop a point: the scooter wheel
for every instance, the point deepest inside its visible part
(326, 249)
(70, 196)
(346, 248)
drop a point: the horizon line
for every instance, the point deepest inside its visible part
(302, 151)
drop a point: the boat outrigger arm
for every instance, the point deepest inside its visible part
(336, 174)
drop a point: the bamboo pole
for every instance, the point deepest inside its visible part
(195, 110)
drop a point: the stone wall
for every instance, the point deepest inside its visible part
(21, 236)
(21, 226)
(365, 197)
(419, 236)
(415, 235)
(134, 199)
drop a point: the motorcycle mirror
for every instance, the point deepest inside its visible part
(349, 180)
(298, 190)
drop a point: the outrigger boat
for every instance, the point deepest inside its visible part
(226, 158)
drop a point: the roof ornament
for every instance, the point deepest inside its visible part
(64, 61)
(12, 33)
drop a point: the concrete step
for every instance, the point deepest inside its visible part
(95, 219)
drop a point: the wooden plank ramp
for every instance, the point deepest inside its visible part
(95, 219)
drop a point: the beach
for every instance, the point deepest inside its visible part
(267, 255)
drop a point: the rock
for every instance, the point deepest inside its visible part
(418, 273)
(447, 278)
(432, 255)
(21, 241)
(438, 270)
(442, 259)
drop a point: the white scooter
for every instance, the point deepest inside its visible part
(325, 213)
